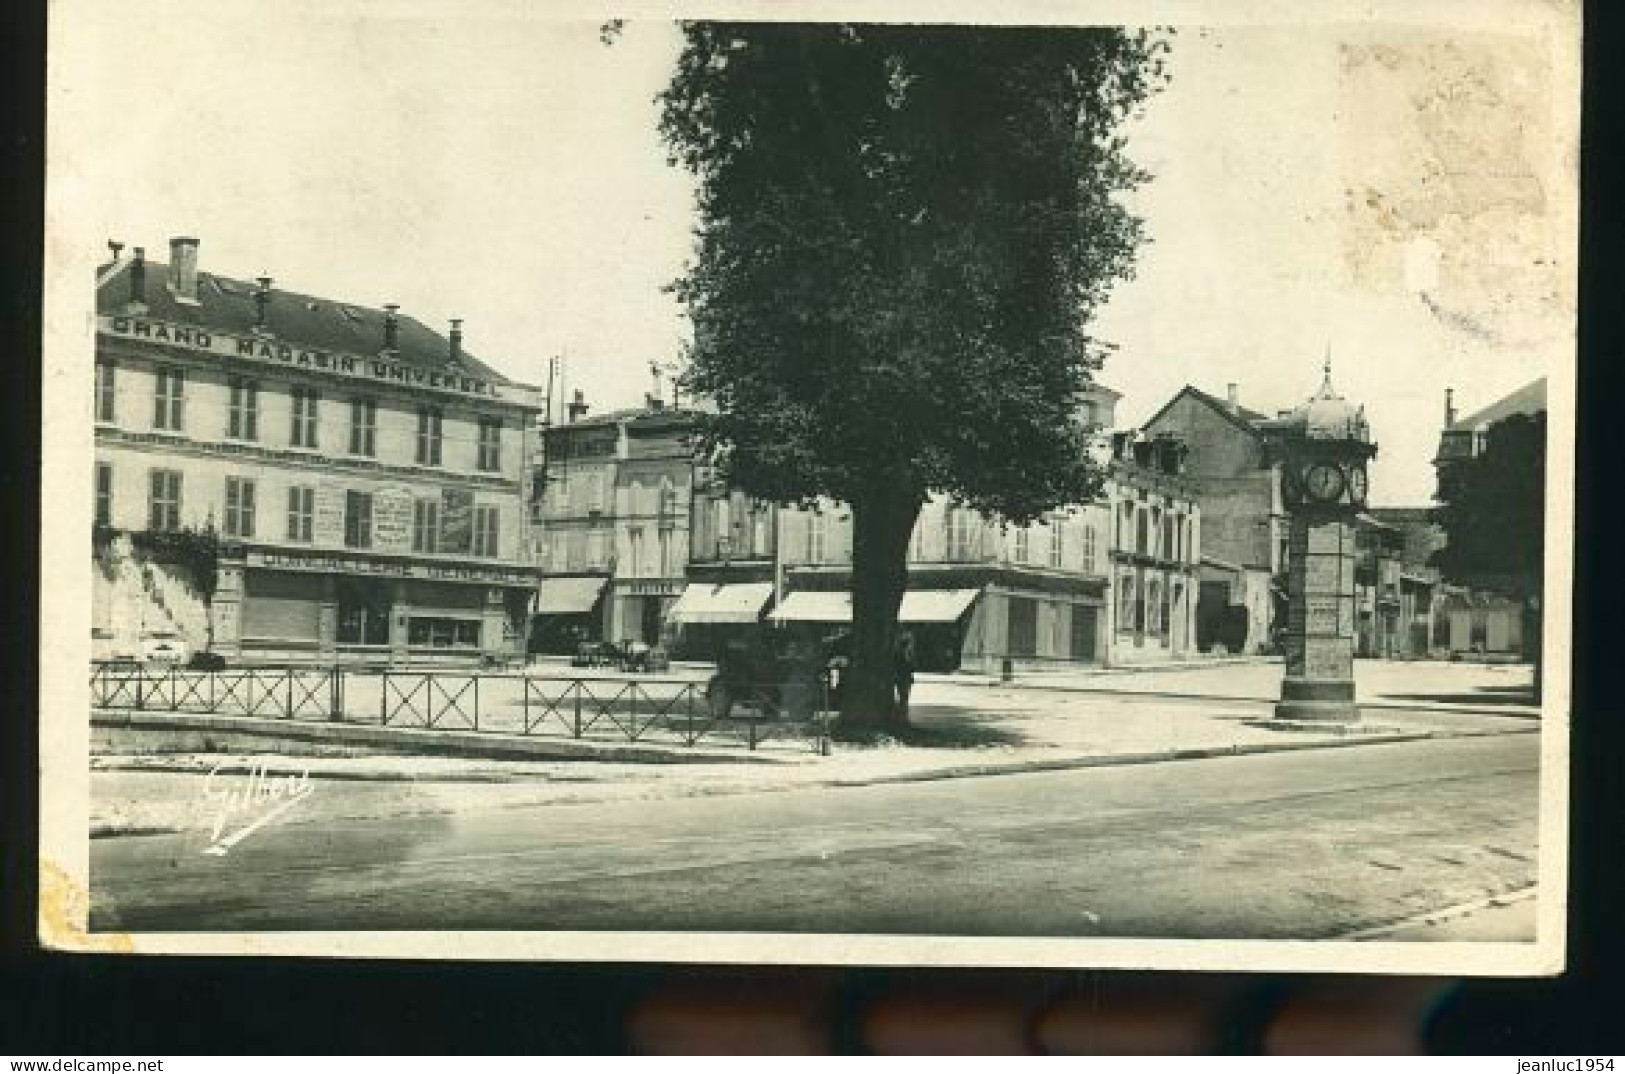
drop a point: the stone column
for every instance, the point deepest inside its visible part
(225, 611)
(1319, 682)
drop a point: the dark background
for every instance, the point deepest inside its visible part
(57, 1004)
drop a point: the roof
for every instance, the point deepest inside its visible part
(1529, 399)
(1241, 417)
(227, 305)
(640, 415)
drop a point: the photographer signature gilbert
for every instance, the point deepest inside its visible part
(256, 796)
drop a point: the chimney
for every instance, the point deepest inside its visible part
(183, 268)
(1232, 397)
(116, 247)
(390, 325)
(1449, 407)
(455, 352)
(262, 298)
(653, 401)
(138, 277)
(578, 406)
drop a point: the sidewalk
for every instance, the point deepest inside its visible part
(975, 729)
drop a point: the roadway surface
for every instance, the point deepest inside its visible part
(1306, 844)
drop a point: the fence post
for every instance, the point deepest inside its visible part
(333, 703)
(578, 708)
(524, 700)
(383, 698)
(751, 723)
(688, 733)
(476, 702)
(290, 693)
(140, 688)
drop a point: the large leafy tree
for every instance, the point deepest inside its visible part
(1493, 513)
(903, 235)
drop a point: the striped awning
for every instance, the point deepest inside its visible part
(740, 602)
(919, 606)
(569, 596)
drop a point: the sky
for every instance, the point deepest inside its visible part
(1399, 197)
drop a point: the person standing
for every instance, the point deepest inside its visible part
(903, 672)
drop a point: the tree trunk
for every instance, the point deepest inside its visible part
(881, 529)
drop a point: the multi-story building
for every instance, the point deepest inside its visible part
(610, 525)
(980, 591)
(1156, 528)
(1238, 481)
(281, 476)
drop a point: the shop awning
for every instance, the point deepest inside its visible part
(741, 602)
(919, 606)
(568, 596)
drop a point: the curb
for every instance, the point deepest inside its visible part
(1447, 913)
(1390, 706)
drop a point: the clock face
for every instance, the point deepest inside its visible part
(1357, 482)
(1323, 482)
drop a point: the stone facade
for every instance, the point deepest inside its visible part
(367, 502)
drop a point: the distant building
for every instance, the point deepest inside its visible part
(610, 525)
(1394, 573)
(362, 473)
(979, 591)
(1237, 478)
(1464, 438)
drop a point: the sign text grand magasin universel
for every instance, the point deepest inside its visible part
(273, 352)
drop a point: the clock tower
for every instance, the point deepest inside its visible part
(1324, 446)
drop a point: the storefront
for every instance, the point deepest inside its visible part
(567, 613)
(937, 619)
(352, 608)
(707, 615)
(641, 609)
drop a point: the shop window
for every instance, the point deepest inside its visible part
(426, 525)
(106, 396)
(440, 633)
(164, 501)
(357, 519)
(301, 513)
(430, 420)
(363, 612)
(364, 427)
(305, 403)
(485, 530)
(243, 409)
(104, 494)
(169, 399)
(239, 521)
(490, 453)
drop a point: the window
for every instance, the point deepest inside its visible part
(1089, 548)
(490, 444)
(243, 411)
(363, 611)
(1153, 607)
(429, 422)
(1127, 603)
(164, 502)
(485, 530)
(363, 426)
(1141, 531)
(425, 525)
(759, 518)
(817, 532)
(634, 550)
(719, 523)
(443, 633)
(357, 519)
(664, 537)
(303, 433)
(104, 494)
(959, 534)
(105, 374)
(1057, 540)
(1125, 528)
(301, 513)
(1170, 532)
(239, 507)
(168, 408)
(1023, 544)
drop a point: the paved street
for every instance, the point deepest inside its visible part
(1305, 844)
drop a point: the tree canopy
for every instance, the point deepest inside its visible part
(903, 235)
(1494, 510)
